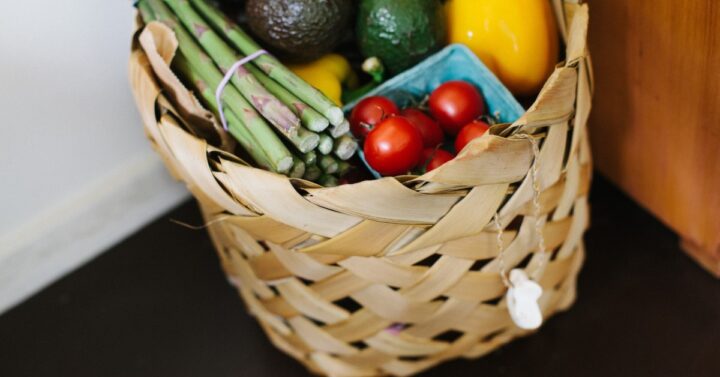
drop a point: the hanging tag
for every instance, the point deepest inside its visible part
(522, 300)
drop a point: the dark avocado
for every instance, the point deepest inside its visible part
(299, 30)
(400, 32)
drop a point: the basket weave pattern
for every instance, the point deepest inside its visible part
(392, 276)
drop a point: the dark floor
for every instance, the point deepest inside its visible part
(158, 305)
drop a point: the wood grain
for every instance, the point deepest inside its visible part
(656, 119)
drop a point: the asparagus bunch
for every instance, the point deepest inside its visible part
(270, 65)
(262, 95)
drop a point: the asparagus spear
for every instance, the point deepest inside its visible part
(235, 126)
(343, 168)
(312, 172)
(328, 164)
(278, 155)
(145, 11)
(310, 158)
(305, 140)
(345, 147)
(271, 65)
(340, 129)
(270, 107)
(326, 144)
(328, 180)
(308, 116)
(298, 169)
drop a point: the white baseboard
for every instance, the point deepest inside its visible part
(81, 227)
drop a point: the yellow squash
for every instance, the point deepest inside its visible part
(327, 74)
(516, 39)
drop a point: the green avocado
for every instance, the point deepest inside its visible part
(299, 30)
(400, 32)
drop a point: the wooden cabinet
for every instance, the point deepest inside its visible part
(655, 123)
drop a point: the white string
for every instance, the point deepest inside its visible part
(536, 202)
(536, 214)
(501, 251)
(228, 75)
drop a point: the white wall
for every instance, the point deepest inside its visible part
(71, 138)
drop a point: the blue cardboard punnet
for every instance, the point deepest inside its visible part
(454, 62)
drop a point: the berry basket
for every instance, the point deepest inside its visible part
(394, 275)
(454, 62)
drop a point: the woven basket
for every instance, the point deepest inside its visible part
(395, 275)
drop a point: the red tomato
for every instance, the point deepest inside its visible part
(432, 158)
(431, 133)
(471, 131)
(393, 147)
(455, 104)
(368, 112)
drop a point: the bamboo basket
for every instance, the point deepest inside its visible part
(395, 275)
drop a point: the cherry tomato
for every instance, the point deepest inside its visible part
(393, 147)
(432, 158)
(429, 129)
(368, 112)
(471, 131)
(455, 104)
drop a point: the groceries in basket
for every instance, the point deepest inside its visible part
(276, 73)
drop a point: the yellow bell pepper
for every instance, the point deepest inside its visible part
(327, 74)
(516, 39)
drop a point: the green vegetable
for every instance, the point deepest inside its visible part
(235, 125)
(328, 180)
(270, 65)
(298, 169)
(200, 60)
(310, 158)
(328, 164)
(312, 172)
(400, 32)
(343, 168)
(308, 116)
(373, 67)
(223, 55)
(345, 147)
(340, 129)
(146, 12)
(278, 155)
(326, 144)
(305, 140)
